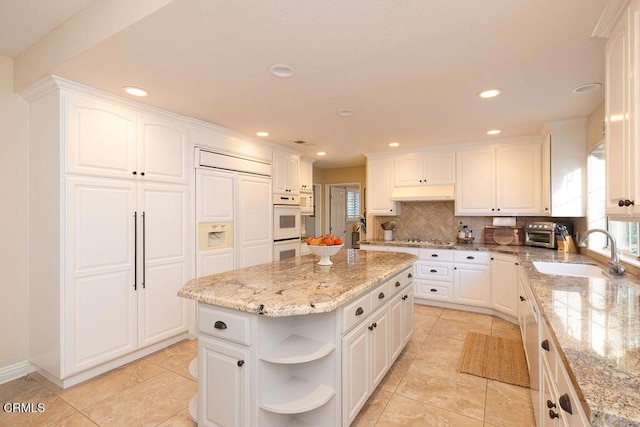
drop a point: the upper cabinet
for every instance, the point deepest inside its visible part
(108, 140)
(286, 170)
(500, 180)
(380, 186)
(306, 175)
(622, 108)
(428, 168)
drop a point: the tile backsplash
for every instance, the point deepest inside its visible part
(437, 220)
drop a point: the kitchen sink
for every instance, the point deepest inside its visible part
(568, 269)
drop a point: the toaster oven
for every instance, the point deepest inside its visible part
(540, 234)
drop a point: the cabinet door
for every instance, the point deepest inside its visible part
(504, 284)
(380, 352)
(293, 174)
(472, 285)
(396, 318)
(407, 314)
(439, 168)
(162, 149)
(380, 186)
(254, 222)
(306, 176)
(224, 394)
(549, 398)
(519, 179)
(475, 182)
(101, 314)
(408, 170)
(617, 120)
(100, 138)
(356, 371)
(164, 262)
(286, 168)
(215, 196)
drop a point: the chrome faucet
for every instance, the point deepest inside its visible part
(614, 265)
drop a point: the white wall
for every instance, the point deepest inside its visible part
(13, 217)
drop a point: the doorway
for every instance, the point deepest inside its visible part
(343, 210)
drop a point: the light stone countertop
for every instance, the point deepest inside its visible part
(298, 286)
(595, 323)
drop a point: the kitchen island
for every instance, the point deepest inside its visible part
(295, 343)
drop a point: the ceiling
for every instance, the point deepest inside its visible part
(409, 70)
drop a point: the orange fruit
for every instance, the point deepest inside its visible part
(338, 241)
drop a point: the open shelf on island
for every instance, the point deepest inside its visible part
(193, 408)
(297, 396)
(193, 368)
(297, 349)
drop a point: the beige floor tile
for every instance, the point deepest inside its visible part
(397, 371)
(371, 410)
(175, 355)
(508, 405)
(443, 387)
(75, 420)
(504, 329)
(150, 402)
(441, 350)
(465, 316)
(427, 310)
(402, 411)
(46, 383)
(181, 419)
(457, 329)
(183, 369)
(106, 385)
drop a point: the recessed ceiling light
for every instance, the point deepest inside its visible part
(590, 87)
(344, 113)
(394, 144)
(493, 132)
(262, 133)
(321, 153)
(490, 93)
(135, 91)
(282, 70)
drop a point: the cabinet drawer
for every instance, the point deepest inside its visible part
(228, 326)
(400, 280)
(436, 254)
(438, 291)
(546, 342)
(355, 312)
(434, 271)
(476, 257)
(379, 296)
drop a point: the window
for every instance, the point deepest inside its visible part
(353, 204)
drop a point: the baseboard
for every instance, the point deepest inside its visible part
(15, 371)
(461, 307)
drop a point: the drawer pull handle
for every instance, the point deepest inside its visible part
(359, 311)
(565, 403)
(434, 255)
(471, 257)
(409, 275)
(433, 290)
(397, 284)
(552, 414)
(220, 325)
(545, 344)
(550, 404)
(240, 363)
(381, 295)
(433, 271)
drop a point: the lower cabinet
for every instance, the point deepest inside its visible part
(504, 284)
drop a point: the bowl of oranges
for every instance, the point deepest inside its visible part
(325, 247)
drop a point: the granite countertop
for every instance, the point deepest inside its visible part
(595, 323)
(298, 286)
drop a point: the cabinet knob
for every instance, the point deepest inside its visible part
(498, 209)
(565, 403)
(240, 363)
(370, 327)
(359, 311)
(409, 275)
(220, 325)
(136, 173)
(397, 284)
(381, 295)
(142, 173)
(550, 404)
(375, 325)
(546, 209)
(492, 209)
(522, 298)
(545, 345)
(552, 414)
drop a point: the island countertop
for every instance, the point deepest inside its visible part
(298, 286)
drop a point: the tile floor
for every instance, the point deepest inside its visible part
(421, 389)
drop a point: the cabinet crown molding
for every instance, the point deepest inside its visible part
(608, 18)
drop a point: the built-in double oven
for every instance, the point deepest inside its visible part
(286, 227)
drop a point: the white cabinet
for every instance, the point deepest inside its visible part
(504, 284)
(622, 107)
(472, 278)
(428, 168)
(129, 255)
(356, 361)
(254, 223)
(500, 180)
(380, 186)
(306, 175)
(286, 170)
(109, 140)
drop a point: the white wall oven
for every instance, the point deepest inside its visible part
(286, 227)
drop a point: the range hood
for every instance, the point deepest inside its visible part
(423, 193)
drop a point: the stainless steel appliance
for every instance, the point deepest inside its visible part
(286, 227)
(541, 234)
